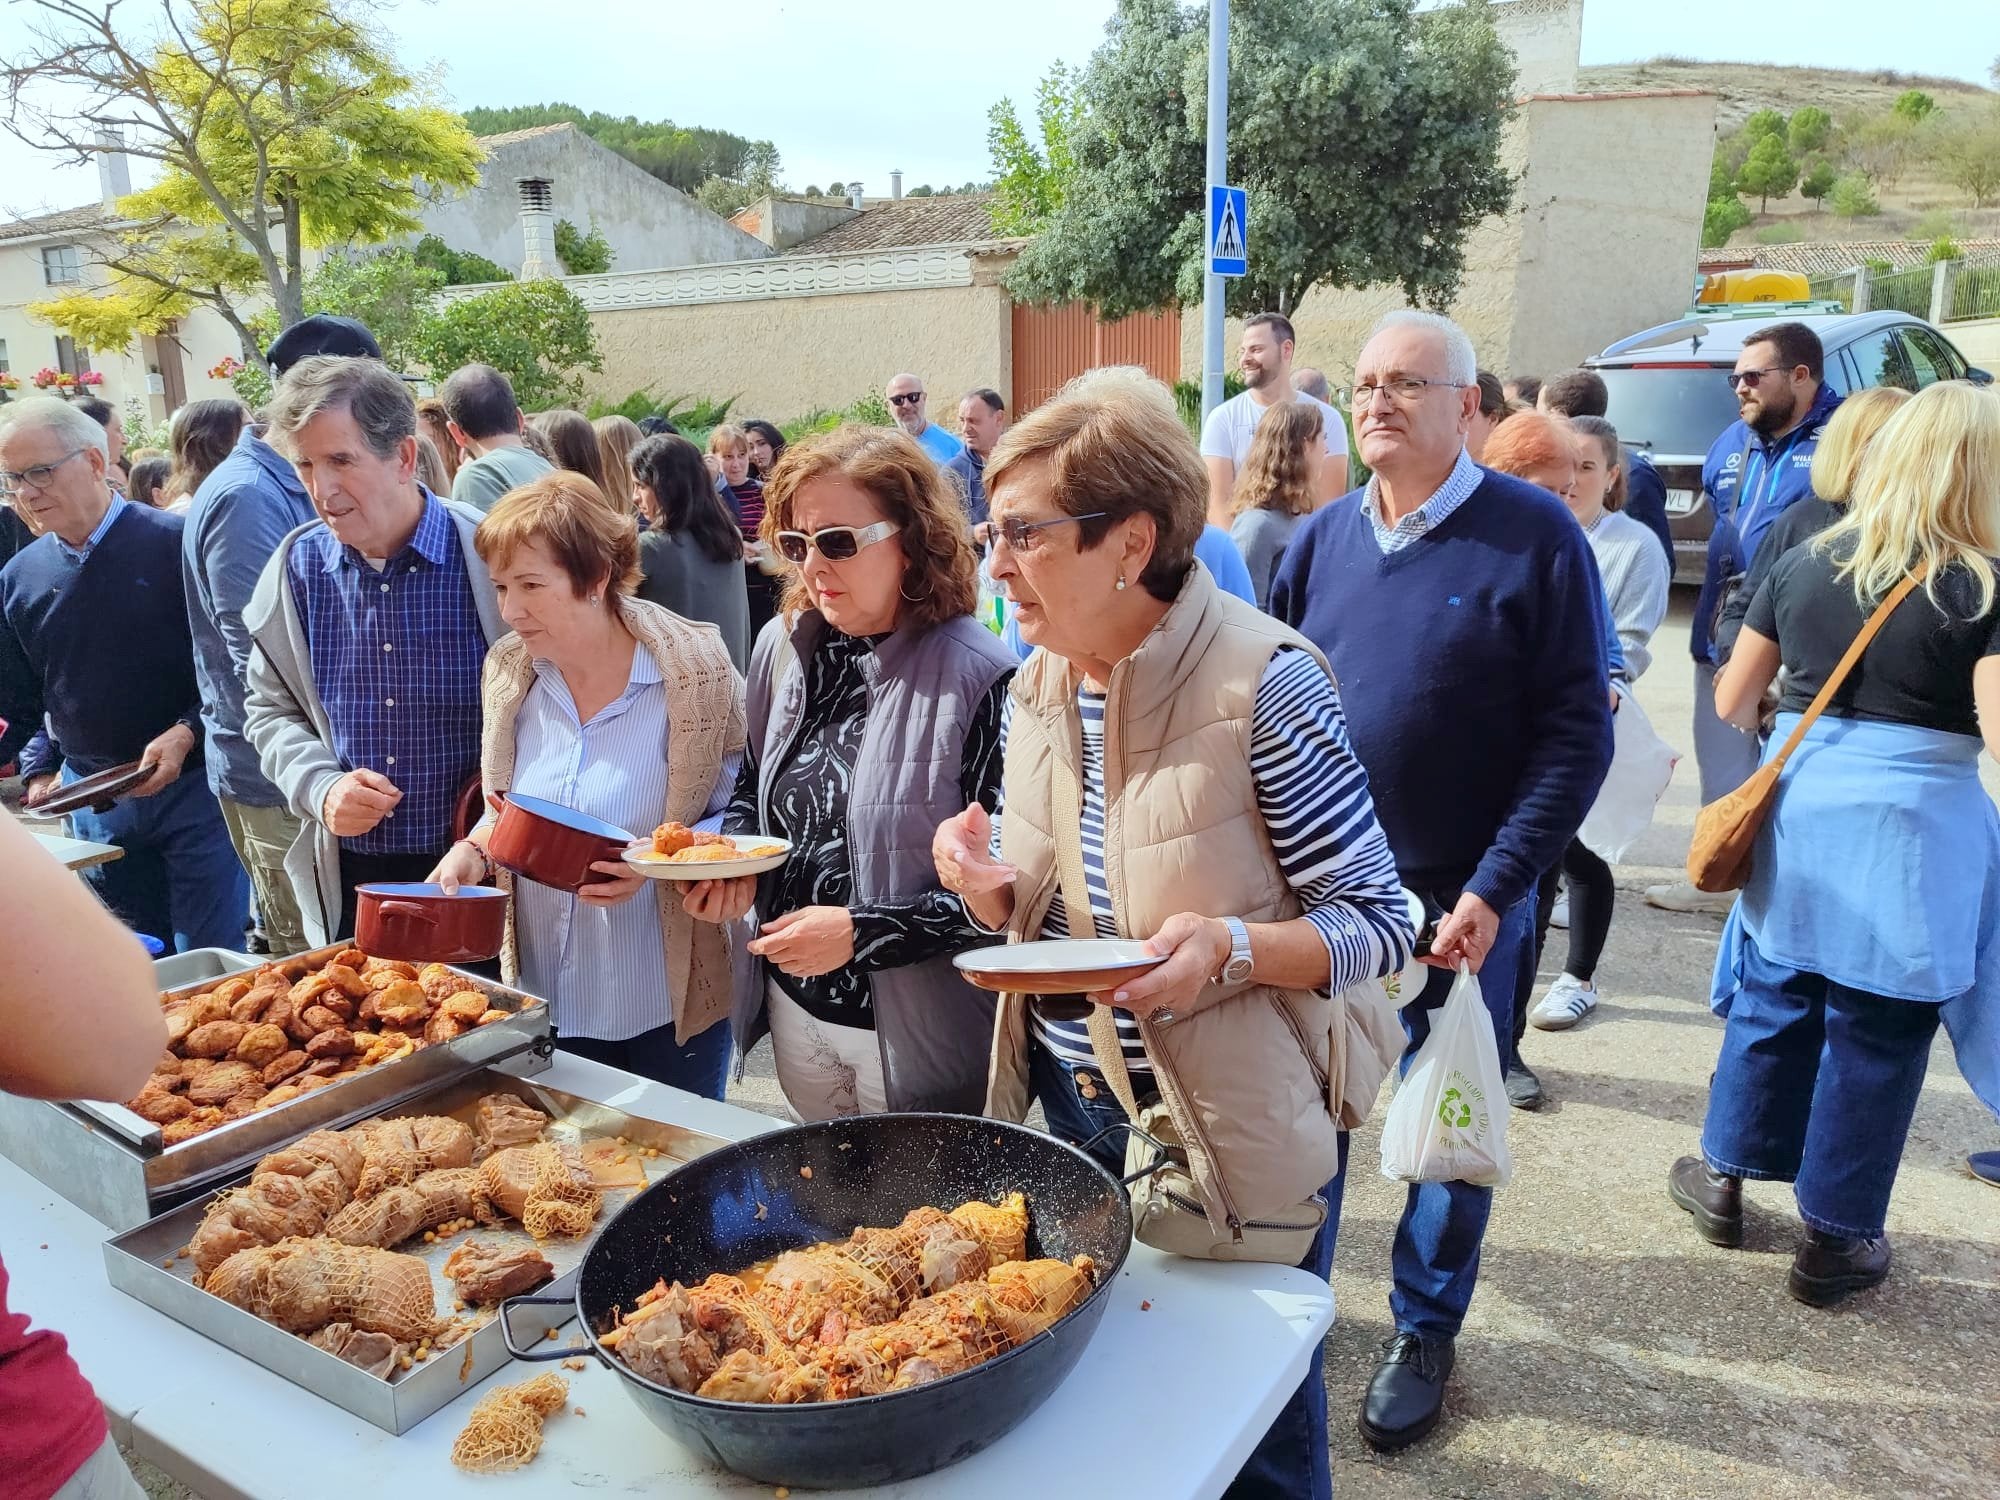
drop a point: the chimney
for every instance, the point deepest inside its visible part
(896, 183)
(854, 195)
(538, 228)
(114, 167)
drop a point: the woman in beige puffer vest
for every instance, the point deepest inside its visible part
(1186, 758)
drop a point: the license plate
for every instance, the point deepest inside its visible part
(1680, 502)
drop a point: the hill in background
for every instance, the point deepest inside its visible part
(1748, 87)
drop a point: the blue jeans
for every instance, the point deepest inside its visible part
(179, 879)
(1816, 1086)
(701, 1067)
(1291, 1461)
(1435, 1260)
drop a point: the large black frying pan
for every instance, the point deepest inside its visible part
(748, 1202)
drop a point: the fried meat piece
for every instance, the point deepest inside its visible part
(484, 1273)
(502, 1120)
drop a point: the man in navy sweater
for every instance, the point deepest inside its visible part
(94, 641)
(1462, 615)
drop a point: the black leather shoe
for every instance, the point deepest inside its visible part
(1406, 1393)
(1715, 1201)
(1829, 1266)
(1524, 1089)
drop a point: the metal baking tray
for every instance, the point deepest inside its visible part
(178, 970)
(110, 1162)
(145, 1263)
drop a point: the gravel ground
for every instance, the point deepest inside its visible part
(1610, 1352)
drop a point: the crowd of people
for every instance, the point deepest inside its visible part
(1293, 734)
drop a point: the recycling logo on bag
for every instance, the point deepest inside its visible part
(1462, 1107)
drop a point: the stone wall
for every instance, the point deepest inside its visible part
(802, 334)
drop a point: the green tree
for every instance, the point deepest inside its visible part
(1853, 198)
(1818, 181)
(582, 254)
(1031, 178)
(276, 126)
(1723, 218)
(725, 196)
(1810, 129)
(1769, 172)
(1914, 105)
(391, 294)
(760, 169)
(1968, 157)
(457, 267)
(1416, 101)
(536, 333)
(1764, 122)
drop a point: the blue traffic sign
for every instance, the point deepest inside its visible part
(1228, 225)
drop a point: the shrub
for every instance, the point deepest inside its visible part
(458, 267)
(536, 333)
(1780, 234)
(582, 254)
(1818, 182)
(1853, 198)
(1724, 217)
(1937, 223)
(1944, 247)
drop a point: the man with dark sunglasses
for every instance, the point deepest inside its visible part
(1760, 465)
(910, 406)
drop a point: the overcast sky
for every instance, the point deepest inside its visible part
(850, 90)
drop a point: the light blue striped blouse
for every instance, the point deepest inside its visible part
(1313, 794)
(600, 968)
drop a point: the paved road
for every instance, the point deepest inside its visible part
(1609, 1352)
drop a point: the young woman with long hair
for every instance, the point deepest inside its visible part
(1278, 484)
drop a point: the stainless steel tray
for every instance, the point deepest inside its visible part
(111, 1163)
(145, 1264)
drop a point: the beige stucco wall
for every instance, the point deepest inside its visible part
(788, 356)
(1978, 340)
(1545, 37)
(1610, 222)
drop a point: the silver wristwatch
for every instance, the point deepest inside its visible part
(1237, 967)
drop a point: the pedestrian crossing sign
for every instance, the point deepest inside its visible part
(1228, 216)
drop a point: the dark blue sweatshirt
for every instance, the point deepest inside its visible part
(101, 647)
(1471, 665)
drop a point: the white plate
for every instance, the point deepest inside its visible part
(1057, 966)
(640, 858)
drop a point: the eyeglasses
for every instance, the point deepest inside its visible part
(909, 399)
(37, 477)
(834, 543)
(1404, 391)
(1026, 536)
(1749, 380)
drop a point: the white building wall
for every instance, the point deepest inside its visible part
(1546, 38)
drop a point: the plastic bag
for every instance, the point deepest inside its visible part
(1641, 766)
(1448, 1120)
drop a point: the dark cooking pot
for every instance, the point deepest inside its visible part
(747, 1202)
(418, 923)
(551, 844)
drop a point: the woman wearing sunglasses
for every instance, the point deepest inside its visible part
(1184, 757)
(874, 714)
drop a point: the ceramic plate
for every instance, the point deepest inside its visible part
(640, 857)
(1063, 966)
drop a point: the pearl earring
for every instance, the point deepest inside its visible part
(1121, 581)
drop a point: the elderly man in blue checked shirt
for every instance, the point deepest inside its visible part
(370, 627)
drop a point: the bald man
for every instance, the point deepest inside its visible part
(911, 406)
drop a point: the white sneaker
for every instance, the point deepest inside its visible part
(1559, 913)
(1568, 1001)
(1681, 896)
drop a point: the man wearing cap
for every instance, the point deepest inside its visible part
(235, 521)
(368, 631)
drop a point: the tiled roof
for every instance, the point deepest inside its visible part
(66, 221)
(508, 137)
(1831, 257)
(958, 219)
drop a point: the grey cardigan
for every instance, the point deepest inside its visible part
(284, 719)
(935, 1031)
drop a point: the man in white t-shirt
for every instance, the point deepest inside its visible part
(1265, 357)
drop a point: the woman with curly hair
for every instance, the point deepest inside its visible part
(874, 715)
